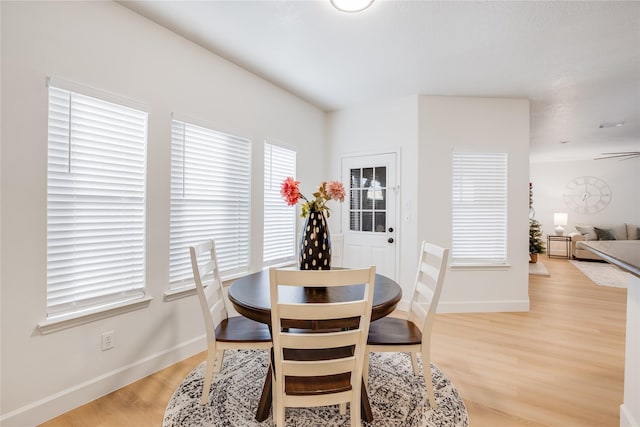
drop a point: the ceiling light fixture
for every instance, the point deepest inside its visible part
(610, 125)
(351, 5)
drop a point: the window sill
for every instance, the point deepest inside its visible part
(483, 267)
(188, 290)
(178, 293)
(75, 319)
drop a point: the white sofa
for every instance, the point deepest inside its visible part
(601, 232)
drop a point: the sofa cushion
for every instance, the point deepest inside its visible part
(587, 231)
(604, 233)
(633, 231)
(619, 231)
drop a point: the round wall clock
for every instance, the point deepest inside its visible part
(587, 194)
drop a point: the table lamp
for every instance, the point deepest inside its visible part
(559, 220)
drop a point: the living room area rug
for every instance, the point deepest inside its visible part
(397, 396)
(602, 273)
(538, 269)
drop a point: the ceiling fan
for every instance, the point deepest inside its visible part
(620, 155)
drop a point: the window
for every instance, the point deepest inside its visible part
(368, 210)
(210, 187)
(279, 219)
(479, 203)
(95, 203)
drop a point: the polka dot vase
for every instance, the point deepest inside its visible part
(315, 245)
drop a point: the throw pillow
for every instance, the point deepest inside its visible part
(619, 230)
(587, 231)
(604, 234)
(633, 231)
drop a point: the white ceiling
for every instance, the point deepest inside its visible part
(578, 62)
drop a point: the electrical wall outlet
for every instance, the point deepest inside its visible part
(107, 340)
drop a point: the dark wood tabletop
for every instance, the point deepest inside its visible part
(251, 297)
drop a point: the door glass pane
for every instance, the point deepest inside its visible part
(380, 225)
(367, 199)
(381, 176)
(354, 221)
(367, 221)
(374, 193)
(355, 178)
(381, 201)
(355, 199)
(367, 176)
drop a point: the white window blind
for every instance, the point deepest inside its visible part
(95, 203)
(279, 219)
(479, 204)
(210, 189)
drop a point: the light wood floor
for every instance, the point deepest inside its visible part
(559, 365)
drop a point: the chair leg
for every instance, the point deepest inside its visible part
(343, 408)
(208, 375)
(279, 414)
(428, 380)
(425, 355)
(414, 363)
(355, 412)
(277, 402)
(365, 368)
(219, 360)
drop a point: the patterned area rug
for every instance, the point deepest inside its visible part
(602, 273)
(398, 398)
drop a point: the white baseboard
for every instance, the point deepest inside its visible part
(626, 418)
(475, 306)
(483, 306)
(50, 407)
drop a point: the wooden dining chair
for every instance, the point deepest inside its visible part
(319, 348)
(223, 332)
(413, 333)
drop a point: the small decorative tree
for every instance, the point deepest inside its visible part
(536, 244)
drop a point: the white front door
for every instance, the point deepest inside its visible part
(369, 223)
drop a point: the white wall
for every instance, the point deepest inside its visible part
(106, 46)
(425, 130)
(485, 125)
(623, 178)
(390, 126)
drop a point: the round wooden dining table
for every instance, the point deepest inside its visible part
(251, 298)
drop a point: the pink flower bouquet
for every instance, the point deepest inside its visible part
(333, 190)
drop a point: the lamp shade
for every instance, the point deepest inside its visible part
(560, 218)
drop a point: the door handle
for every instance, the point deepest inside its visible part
(390, 240)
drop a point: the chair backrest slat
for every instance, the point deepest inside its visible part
(206, 276)
(424, 290)
(320, 311)
(430, 271)
(309, 368)
(428, 284)
(325, 340)
(322, 278)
